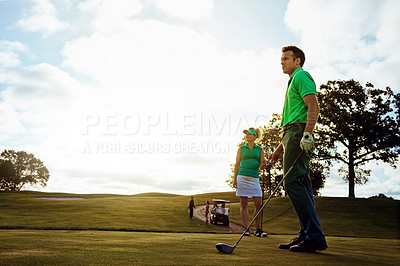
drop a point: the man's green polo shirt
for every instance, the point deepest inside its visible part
(295, 110)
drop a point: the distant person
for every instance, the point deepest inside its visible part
(191, 207)
(223, 210)
(219, 210)
(300, 114)
(207, 210)
(246, 180)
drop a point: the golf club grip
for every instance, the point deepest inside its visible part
(270, 196)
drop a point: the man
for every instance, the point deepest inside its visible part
(191, 207)
(300, 113)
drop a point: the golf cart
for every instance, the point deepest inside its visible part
(220, 212)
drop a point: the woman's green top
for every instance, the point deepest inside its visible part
(250, 161)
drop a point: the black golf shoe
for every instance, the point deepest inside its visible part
(260, 233)
(309, 246)
(293, 242)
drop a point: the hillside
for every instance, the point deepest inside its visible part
(378, 218)
(157, 212)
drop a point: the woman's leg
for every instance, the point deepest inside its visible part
(257, 205)
(244, 211)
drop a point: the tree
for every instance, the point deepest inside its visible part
(7, 174)
(20, 168)
(365, 124)
(270, 139)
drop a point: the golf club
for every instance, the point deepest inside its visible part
(224, 248)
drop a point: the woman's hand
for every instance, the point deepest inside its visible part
(235, 183)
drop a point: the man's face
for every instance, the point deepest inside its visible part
(288, 63)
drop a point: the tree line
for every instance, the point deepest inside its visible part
(357, 125)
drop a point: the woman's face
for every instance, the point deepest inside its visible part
(250, 137)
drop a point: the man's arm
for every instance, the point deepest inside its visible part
(274, 157)
(313, 111)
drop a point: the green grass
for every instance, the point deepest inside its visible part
(22, 247)
(145, 212)
(157, 212)
(379, 218)
(154, 229)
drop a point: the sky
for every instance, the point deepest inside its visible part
(134, 96)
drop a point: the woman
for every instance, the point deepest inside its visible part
(246, 180)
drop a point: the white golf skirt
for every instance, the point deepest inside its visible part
(248, 186)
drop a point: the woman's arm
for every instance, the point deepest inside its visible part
(237, 166)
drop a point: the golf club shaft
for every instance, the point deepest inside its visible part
(270, 196)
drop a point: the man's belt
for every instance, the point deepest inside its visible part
(293, 125)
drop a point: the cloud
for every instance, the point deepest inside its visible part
(110, 15)
(40, 87)
(139, 67)
(155, 60)
(189, 10)
(43, 17)
(6, 45)
(9, 121)
(9, 60)
(41, 104)
(9, 56)
(200, 160)
(348, 39)
(333, 26)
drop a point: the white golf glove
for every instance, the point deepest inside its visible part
(307, 141)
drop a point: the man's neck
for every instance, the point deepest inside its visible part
(290, 75)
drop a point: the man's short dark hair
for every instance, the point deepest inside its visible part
(297, 53)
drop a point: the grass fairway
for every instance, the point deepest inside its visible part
(357, 217)
(154, 229)
(153, 212)
(27, 247)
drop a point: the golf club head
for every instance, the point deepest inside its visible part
(224, 248)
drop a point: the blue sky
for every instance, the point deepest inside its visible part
(129, 96)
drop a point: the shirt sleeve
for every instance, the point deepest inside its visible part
(305, 84)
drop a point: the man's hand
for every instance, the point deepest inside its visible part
(307, 142)
(274, 157)
(263, 165)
